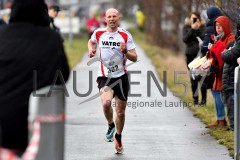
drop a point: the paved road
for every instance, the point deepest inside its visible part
(162, 133)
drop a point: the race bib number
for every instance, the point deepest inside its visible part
(113, 69)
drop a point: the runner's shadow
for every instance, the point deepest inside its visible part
(117, 157)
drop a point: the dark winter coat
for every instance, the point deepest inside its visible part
(27, 44)
(213, 13)
(189, 37)
(230, 62)
(54, 27)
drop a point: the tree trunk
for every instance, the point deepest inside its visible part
(176, 19)
(152, 10)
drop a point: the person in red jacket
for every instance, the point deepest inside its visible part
(103, 16)
(221, 39)
(92, 24)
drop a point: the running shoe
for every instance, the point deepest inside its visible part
(118, 147)
(110, 134)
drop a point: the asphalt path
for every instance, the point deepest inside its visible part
(158, 126)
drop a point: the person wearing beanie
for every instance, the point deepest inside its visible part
(222, 39)
(28, 44)
(28, 11)
(212, 13)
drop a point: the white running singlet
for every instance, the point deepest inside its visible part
(113, 61)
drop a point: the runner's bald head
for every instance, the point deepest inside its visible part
(112, 10)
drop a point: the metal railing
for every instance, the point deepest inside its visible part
(236, 114)
(50, 113)
(46, 121)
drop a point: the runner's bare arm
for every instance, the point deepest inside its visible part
(132, 55)
(91, 48)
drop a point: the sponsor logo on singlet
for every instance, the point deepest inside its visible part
(110, 44)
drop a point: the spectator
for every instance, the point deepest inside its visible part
(212, 13)
(92, 24)
(140, 19)
(229, 57)
(27, 44)
(192, 30)
(221, 39)
(53, 13)
(103, 16)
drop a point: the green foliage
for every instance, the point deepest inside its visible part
(76, 50)
(83, 29)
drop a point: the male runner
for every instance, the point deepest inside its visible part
(116, 46)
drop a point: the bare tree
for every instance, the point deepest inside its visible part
(176, 20)
(164, 17)
(229, 8)
(124, 6)
(152, 10)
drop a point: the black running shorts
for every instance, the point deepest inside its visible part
(121, 90)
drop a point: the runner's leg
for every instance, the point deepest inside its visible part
(106, 98)
(120, 114)
(120, 120)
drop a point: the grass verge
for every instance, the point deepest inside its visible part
(166, 60)
(76, 49)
